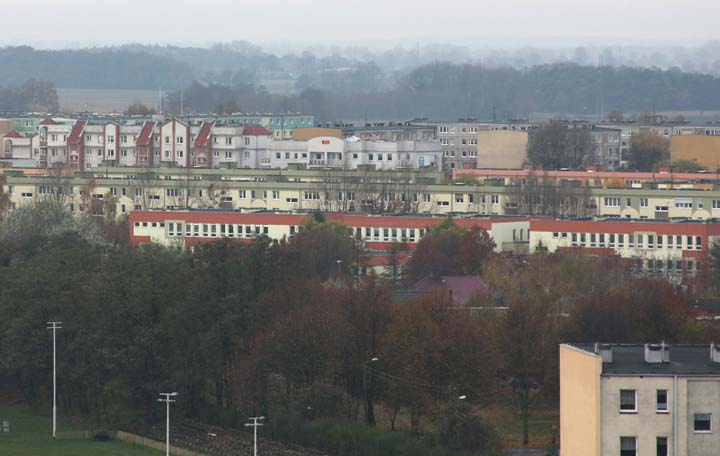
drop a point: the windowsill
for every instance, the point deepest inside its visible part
(663, 412)
(702, 432)
(628, 412)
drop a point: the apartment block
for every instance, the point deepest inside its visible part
(639, 400)
(87, 144)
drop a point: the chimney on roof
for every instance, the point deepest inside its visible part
(657, 353)
(605, 351)
(715, 353)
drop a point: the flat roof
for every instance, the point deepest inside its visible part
(629, 359)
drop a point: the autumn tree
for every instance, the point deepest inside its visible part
(432, 352)
(448, 249)
(647, 149)
(526, 341)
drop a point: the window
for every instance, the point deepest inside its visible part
(662, 446)
(228, 155)
(426, 197)
(683, 203)
(611, 201)
(494, 199)
(643, 202)
(247, 141)
(628, 446)
(276, 195)
(180, 140)
(123, 139)
(716, 204)
(627, 401)
(662, 399)
(167, 140)
(703, 422)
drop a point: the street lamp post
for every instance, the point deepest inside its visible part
(166, 399)
(339, 263)
(54, 325)
(255, 425)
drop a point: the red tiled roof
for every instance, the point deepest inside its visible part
(145, 134)
(586, 175)
(256, 130)
(204, 135)
(48, 121)
(77, 131)
(13, 134)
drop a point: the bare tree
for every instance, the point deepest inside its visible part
(543, 195)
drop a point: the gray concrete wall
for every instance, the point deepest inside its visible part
(703, 396)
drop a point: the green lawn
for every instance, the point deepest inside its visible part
(31, 436)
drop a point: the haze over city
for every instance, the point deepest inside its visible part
(355, 22)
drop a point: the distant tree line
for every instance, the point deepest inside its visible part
(93, 69)
(33, 95)
(446, 90)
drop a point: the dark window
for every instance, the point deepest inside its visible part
(627, 401)
(628, 446)
(662, 446)
(703, 422)
(662, 403)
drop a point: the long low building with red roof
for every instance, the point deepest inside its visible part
(672, 247)
(669, 247)
(188, 228)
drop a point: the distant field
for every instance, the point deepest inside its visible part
(105, 100)
(31, 436)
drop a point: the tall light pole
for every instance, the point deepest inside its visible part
(54, 325)
(339, 263)
(255, 425)
(166, 399)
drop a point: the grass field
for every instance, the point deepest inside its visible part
(31, 436)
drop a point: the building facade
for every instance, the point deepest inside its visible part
(365, 189)
(639, 400)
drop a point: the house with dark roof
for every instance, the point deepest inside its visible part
(462, 289)
(639, 399)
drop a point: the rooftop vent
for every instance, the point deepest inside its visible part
(657, 353)
(715, 353)
(605, 351)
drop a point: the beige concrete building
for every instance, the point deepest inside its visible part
(703, 149)
(639, 400)
(503, 149)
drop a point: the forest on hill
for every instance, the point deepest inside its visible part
(338, 87)
(446, 90)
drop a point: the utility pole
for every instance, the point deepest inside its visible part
(255, 425)
(167, 402)
(54, 325)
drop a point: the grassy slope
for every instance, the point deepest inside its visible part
(31, 436)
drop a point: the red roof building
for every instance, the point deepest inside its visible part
(256, 130)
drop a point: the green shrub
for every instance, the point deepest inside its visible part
(349, 438)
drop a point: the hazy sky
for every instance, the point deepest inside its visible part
(63, 23)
